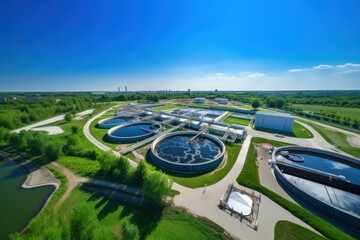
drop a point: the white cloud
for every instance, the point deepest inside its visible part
(256, 75)
(223, 76)
(322, 67)
(297, 70)
(348, 68)
(349, 65)
(340, 69)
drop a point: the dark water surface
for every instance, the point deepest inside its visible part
(17, 205)
(177, 149)
(329, 165)
(135, 130)
(118, 120)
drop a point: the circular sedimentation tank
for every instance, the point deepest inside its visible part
(133, 132)
(114, 121)
(187, 153)
(327, 181)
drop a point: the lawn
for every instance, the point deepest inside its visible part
(167, 107)
(100, 133)
(249, 177)
(239, 121)
(211, 178)
(299, 131)
(342, 111)
(335, 138)
(153, 223)
(285, 230)
(82, 166)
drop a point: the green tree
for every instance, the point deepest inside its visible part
(255, 103)
(83, 222)
(107, 161)
(140, 173)
(53, 150)
(122, 170)
(129, 231)
(75, 129)
(68, 117)
(156, 186)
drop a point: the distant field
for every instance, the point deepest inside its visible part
(342, 111)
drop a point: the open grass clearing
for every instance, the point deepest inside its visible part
(285, 230)
(249, 177)
(341, 111)
(153, 223)
(239, 121)
(213, 176)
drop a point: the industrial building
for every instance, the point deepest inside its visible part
(274, 121)
(199, 100)
(222, 100)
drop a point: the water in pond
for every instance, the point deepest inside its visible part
(135, 130)
(17, 205)
(329, 165)
(118, 120)
(178, 149)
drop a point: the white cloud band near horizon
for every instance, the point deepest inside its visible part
(340, 69)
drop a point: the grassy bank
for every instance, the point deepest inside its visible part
(212, 177)
(249, 177)
(336, 138)
(285, 230)
(153, 223)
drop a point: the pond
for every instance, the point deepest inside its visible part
(18, 205)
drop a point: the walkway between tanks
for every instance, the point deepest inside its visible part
(204, 202)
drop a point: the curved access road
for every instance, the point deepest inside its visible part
(97, 143)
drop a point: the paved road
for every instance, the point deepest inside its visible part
(205, 204)
(97, 143)
(51, 120)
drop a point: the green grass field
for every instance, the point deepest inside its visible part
(299, 131)
(100, 133)
(249, 177)
(153, 223)
(239, 121)
(342, 111)
(335, 138)
(285, 230)
(209, 178)
(82, 166)
(167, 107)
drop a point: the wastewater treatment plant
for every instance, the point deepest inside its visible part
(195, 147)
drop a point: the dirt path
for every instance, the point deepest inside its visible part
(72, 181)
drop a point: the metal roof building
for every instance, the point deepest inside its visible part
(274, 121)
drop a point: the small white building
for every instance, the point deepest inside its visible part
(222, 100)
(274, 121)
(199, 100)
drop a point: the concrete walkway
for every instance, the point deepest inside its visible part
(51, 120)
(97, 143)
(204, 202)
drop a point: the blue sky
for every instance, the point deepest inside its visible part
(201, 45)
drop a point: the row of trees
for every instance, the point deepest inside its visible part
(155, 184)
(15, 114)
